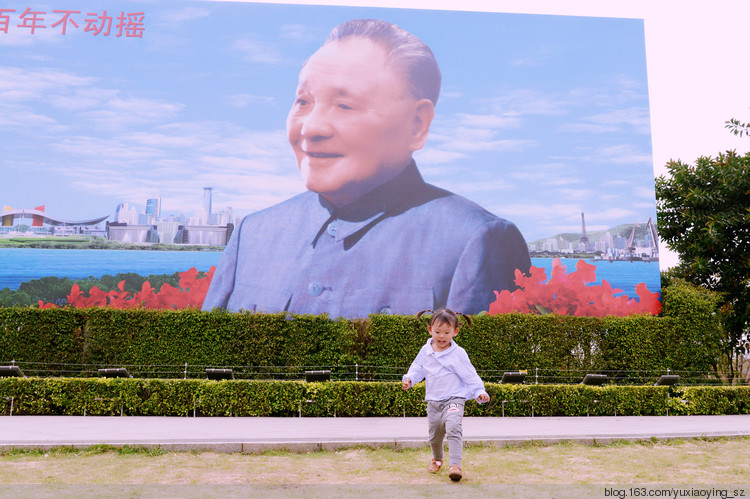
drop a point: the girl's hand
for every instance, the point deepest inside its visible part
(406, 384)
(483, 398)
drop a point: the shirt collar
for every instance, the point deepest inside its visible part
(444, 352)
(346, 220)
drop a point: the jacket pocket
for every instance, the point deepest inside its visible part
(257, 298)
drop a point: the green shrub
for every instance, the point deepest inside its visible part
(173, 397)
(158, 343)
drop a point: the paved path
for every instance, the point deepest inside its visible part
(258, 434)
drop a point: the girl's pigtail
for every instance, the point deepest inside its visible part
(466, 318)
(423, 312)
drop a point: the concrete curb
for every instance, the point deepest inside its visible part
(256, 435)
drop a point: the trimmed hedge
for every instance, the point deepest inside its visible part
(557, 344)
(160, 397)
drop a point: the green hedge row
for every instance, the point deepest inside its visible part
(58, 338)
(154, 397)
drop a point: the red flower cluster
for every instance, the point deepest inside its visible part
(568, 294)
(190, 294)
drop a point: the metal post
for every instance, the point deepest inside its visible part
(185, 371)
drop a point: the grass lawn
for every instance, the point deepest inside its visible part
(694, 461)
(22, 242)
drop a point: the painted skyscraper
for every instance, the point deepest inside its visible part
(153, 207)
(207, 199)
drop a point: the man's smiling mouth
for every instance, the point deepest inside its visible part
(323, 155)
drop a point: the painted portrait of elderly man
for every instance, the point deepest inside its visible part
(369, 235)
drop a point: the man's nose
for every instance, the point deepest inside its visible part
(316, 125)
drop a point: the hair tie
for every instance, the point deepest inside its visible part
(419, 314)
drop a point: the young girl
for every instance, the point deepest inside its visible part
(450, 380)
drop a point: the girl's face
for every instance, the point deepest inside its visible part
(442, 334)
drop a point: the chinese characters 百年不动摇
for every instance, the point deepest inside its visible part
(128, 24)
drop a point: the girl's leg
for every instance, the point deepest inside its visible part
(436, 428)
(454, 416)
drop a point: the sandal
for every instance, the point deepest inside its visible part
(434, 465)
(455, 473)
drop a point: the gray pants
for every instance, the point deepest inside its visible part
(445, 420)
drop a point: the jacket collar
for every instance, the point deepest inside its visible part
(346, 220)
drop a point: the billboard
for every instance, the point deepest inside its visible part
(341, 181)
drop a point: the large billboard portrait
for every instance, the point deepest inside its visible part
(324, 160)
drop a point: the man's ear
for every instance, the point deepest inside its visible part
(424, 112)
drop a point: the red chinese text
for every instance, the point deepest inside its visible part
(124, 24)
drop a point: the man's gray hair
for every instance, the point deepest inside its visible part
(408, 53)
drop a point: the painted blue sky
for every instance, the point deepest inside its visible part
(540, 117)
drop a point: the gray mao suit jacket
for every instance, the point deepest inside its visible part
(404, 247)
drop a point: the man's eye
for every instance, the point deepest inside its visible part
(300, 102)
(345, 107)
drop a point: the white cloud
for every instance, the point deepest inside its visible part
(622, 154)
(18, 84)
(302, 33)
(550, 174)
(619, 92)
(635, 116)
(608, 215)
(644, 192)
(588, 128)
(524, 62)
(81, 98)
(492, 121)
(635, 119)
(20, 37)
(539, 220)
(94, 153)
(451, 94)
(615, 183)
(466, 144)
(524, 102)
(249, 170)
(245, 100)
(574, 194)
(186, 14)
(249, 192)
(162, 140)
(542, 211)
(226, 164)
(124, 112)
(469, 188)
(49, 89)
(254, 50)
(23, 118)
(434, 156)
(455, 136)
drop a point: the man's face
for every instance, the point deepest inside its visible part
(352, 124)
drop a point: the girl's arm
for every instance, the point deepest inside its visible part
(415, 374)
(468, 374)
